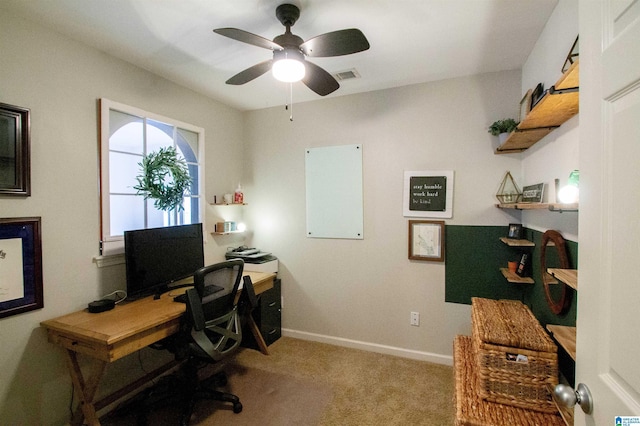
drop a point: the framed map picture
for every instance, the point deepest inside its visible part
(426, 240)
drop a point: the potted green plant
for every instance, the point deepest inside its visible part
(502, 128)
(165, 178)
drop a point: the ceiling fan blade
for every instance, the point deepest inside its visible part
(318, 80)
(336, 43)
(250, 73)
(247, 37)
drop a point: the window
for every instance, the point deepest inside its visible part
(127, 135)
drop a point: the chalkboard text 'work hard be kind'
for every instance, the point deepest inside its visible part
(428, 193)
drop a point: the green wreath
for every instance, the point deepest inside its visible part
(165, 178)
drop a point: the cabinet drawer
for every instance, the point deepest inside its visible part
(271, 335)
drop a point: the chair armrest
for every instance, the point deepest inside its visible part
(194, 309)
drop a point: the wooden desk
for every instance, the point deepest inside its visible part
(127, 328)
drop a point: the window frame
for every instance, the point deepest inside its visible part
(114, 245)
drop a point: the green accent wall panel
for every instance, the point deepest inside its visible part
(474, 256)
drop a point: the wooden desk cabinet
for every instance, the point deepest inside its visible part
(267, 316)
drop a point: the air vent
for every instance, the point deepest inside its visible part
(346, 75)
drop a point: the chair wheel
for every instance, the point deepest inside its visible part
(237, 407)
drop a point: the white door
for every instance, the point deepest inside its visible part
(608, 332)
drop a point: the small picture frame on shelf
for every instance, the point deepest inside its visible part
(533, 193)
(515, 231)
(523, 265)
(525, 105)
(537, 94)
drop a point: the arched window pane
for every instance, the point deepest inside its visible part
(126, 133)
(159, 135)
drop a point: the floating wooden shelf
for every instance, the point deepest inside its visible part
(512, 242)
(566, 337)
(514, 278)
(567, 276)
(229, 204)
(558, 105)
(554, 207)
(227, 233)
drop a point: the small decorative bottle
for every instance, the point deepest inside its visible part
(239, 196)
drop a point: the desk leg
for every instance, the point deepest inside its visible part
(86, 390)
(256, 333)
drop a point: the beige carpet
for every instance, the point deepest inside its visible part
(308, 383)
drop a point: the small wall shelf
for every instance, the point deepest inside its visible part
(567, 276)
(558, 105)
(511, 242)
(554, 207)
(227, 233)
(224, 213)
(566, 336)
(514, 278)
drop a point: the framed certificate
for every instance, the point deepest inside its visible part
(20, 266)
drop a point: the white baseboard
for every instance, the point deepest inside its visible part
(371, 347)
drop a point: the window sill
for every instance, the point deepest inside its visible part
(111, 260)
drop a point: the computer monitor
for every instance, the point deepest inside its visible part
(157, 257)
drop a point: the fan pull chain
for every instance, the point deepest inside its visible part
(291, 101)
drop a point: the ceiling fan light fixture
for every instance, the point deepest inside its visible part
(288, 66)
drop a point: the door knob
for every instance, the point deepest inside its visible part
(568, 397)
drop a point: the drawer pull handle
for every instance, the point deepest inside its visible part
(272, 331)
(272, 304)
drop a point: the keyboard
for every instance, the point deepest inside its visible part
(208, 291)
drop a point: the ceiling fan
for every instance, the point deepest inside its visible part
(289, 52)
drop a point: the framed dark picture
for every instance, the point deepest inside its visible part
(515, 231)
(536, 95)
(426, 240)
(533, 193)
(15, 140)
(20, 265)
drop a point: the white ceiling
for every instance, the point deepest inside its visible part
(412, 41)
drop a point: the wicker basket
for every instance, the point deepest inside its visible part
(471, 410)
(515, 359)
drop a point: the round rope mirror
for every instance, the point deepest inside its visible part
(560, 305)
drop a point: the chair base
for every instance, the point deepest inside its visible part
(204, 390)
(183, 392)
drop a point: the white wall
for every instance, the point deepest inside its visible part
(360, 292)
(60, 81)
(556, 155)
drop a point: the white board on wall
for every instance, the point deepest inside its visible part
(334, 192)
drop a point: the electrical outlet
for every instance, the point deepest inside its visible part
(415, 319)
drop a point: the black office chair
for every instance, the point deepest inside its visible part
(214, 313)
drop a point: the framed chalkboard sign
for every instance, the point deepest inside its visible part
(428, 194)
